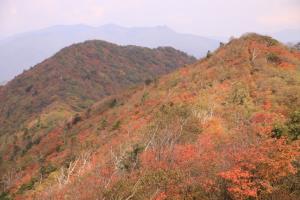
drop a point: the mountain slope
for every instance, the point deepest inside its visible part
(226, 127)
(79, 75)
(36, 46)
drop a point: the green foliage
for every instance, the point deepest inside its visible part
(5, 196)
(30, 144)
(273, 58)
(120, 190)
(239, 94)
(291, 128)
(59, 148)
(113, 103)
(270, 41)
(27, 186)
(225, 74)
(70, 158)
(27, 147)
(116, 125)
(46, 170)
(38, 124)
(37, 141)
(173, 81)
(77, 118)
(16, 150)
(103, 124)
(144, 97)
(170, 110)
(294, 125)
(177, 121)
(147, 185)
(279, 130)
(130, 161)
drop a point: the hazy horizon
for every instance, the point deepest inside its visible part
(200, 25)
(205, 18)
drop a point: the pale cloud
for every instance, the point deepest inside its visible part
(283, 17)
(204, 17)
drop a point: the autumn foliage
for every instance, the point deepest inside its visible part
(225, 128)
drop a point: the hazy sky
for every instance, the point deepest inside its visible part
(202, 17)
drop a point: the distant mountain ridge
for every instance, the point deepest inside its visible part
(33, 47)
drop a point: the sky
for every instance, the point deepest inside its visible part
(201, 17)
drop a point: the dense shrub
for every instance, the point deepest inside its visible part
(113, 103)
(148, 81)
(130, 160)
(294, 125)
(27, 186)
(291, 128)
(116, 125)
(273, 58)
(77, 118)
(239, 94)
(46, 170)
(5, 196)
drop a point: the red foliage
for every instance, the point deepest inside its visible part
(254, 168)
(184, 154)
(154, 160)
(184, 71)
(242, 187)
(286, 65)
(247, 168)
(263, 122)
(267, 105)
(161, 196)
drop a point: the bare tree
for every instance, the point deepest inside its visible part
(75, 168)
(9, 178)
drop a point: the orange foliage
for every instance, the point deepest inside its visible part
(185, 153)
(240, 178)
(213, 126)
(267, 105)
(151, 160)
(263, 122)
(186, 97)
(161, 196)
(184, 71)
(256, 167)
(247, 168)
(286, 65)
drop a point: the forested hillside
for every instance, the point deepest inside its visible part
(78, 76)
(224, 128)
